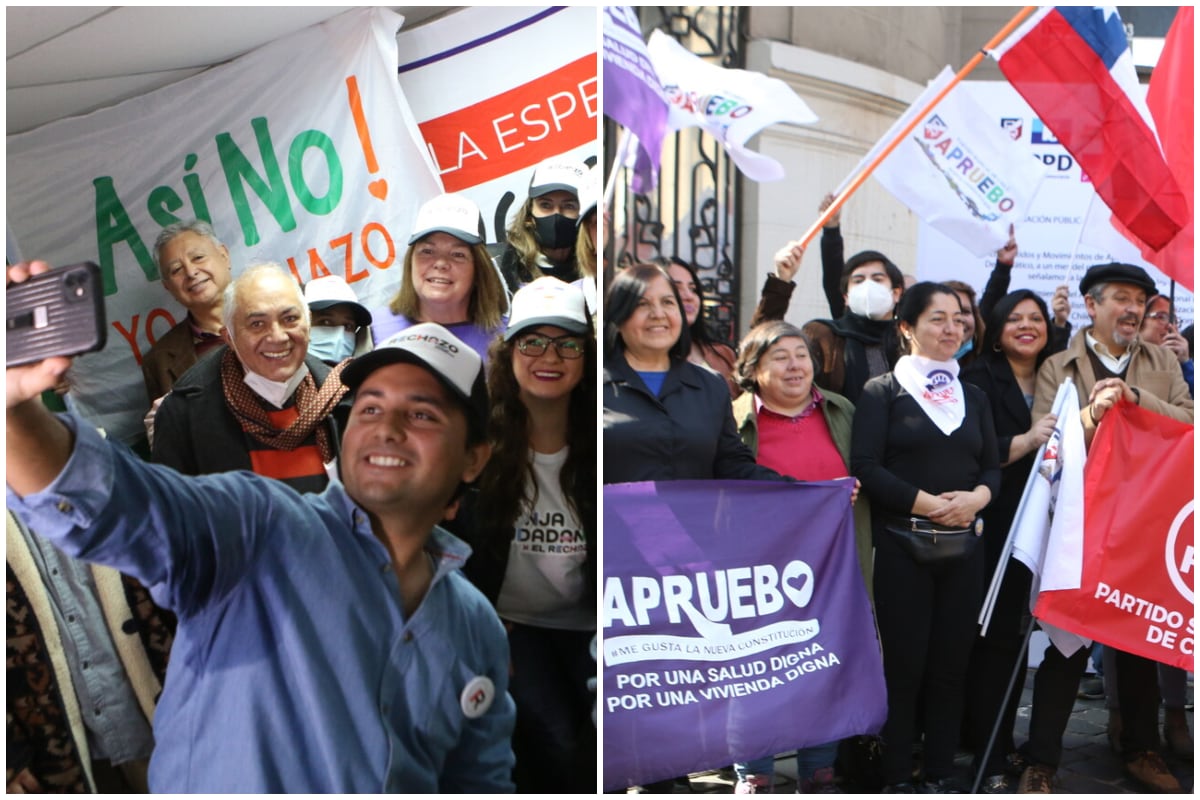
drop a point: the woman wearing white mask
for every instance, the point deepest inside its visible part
(341, 326)
(924, 446)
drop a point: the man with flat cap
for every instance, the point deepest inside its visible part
(1107, 362)
(327, 642)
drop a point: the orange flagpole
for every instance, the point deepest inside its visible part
(861, 177)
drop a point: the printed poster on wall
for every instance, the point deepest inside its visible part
(725, 602)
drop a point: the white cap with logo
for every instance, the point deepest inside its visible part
(547, 301)
(455, 214)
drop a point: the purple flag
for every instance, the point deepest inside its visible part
(736, 625)
(633, 94)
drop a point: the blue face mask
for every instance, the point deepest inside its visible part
(331, 344)
(967, 347)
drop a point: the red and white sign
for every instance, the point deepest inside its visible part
(1138, 579)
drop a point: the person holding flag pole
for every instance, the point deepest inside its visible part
(1106, 362)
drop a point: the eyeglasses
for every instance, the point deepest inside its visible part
(1162, 316)
(568, 347)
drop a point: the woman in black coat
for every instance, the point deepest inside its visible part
(1014, 346)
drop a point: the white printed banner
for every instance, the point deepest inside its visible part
(1054, 246)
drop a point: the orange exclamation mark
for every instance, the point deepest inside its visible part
(378, 188)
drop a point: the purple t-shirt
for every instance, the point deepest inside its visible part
(384, 323)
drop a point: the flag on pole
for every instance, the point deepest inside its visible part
(959, 171)
(633, 94)
(730, 104)
(1047, 532)
(1136, 592)
(1072, 65)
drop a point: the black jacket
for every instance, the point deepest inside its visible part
(686, 433)
(197, 434)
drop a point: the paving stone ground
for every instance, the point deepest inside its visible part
(1088, 765)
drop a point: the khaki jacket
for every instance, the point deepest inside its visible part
(1153, 370)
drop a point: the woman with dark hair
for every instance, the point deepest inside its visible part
(664, 417)
(801, 431)
(448, 277)
(973, 327)
(924, 447)
(706, 350)
(540, 485)
(1015, 344)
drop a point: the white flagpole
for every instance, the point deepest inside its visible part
(989, 603)
(618, 162)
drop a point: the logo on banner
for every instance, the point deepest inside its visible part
(985, 194)
(718, 110)
(1180, 551)
(707, 602)
(1040, 134)
(1012, 126)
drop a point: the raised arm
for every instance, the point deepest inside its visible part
(38, 445)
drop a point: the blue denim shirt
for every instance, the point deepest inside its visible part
(294, 668)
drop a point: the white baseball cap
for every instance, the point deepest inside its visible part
(332, 290)
(455, 214)
(547, 301)
(557, 174)
(429, 345)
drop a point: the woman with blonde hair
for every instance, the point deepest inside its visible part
(448, 277)
(541, 239)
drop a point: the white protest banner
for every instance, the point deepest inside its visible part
(498, 90)
(730, 104)
(962, 176)
(1049, 238)
(301, 152)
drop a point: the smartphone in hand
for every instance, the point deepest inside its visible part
(55, 313)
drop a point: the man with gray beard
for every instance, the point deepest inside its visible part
(1107, 361)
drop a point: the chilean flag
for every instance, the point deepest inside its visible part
(1072, 65)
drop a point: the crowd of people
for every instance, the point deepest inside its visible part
(936, 404)
(362, 556)
(363, 552)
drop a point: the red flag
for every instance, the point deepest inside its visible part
(1136, 592)
(1171, 98)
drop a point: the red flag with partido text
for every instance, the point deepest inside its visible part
(1136, 591)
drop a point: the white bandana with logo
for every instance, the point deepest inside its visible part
(936, 388)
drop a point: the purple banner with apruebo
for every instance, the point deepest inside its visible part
(633, 94)
(736, 625)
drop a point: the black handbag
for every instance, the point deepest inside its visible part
(929, 543)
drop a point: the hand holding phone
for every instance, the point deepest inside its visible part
(36, 350)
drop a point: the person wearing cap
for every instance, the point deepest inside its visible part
(541, 238)
(341, 326)
(1108, 362)
(195, 269)
(533, 529)
(262, 403)
(448, 277)
(326, 642)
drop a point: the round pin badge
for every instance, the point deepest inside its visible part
(979, 526)
(477, 696)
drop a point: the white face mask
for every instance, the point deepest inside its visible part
(870, 299)
(274, 392)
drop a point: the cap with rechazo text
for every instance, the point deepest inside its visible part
(547, 301)
(429, 345)
(558, 175)
(1118, 273)
(332, 290)
(455, 214)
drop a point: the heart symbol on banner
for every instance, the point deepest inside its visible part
(378, 189)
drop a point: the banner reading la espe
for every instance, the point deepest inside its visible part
(725, 602)
(497, 90)
(301, 152)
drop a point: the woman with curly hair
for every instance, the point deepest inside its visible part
(533, 530)
(541, 238)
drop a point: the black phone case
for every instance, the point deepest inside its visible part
(56, 313)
